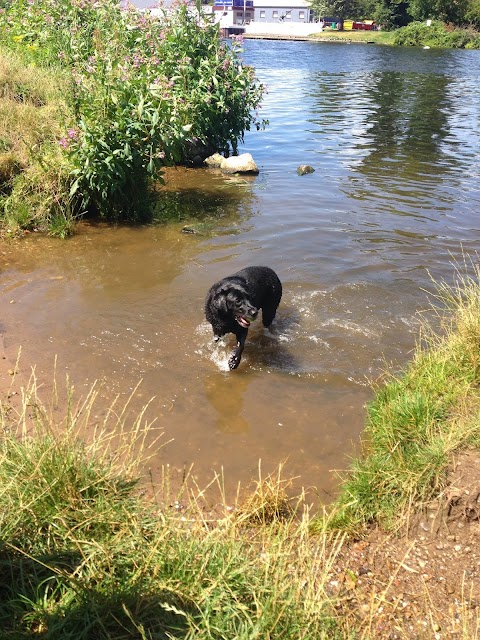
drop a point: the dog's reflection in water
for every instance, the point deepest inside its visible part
(227, 398)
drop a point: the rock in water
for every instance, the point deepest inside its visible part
(303, 169)
(243, 163)
(214, 161)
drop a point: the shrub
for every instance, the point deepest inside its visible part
(436, 35)
(419, 34)
(146, 91)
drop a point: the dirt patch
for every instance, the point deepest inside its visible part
(425, 584)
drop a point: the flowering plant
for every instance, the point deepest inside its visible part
(145, 91)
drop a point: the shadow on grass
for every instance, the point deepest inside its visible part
(41, 597)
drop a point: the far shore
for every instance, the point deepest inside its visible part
(365, 37)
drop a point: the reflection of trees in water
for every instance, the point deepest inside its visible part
(408, 124)
(199, 196)
(390, 127)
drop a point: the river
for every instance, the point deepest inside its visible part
(393, 136)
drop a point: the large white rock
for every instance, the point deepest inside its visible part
(243, 163)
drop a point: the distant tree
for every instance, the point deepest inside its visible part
(444, 10)
(388, 13)
(391, 13)
(338, 8)
(397, 13)
(472, 15)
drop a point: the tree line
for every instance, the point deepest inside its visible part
(398, 13)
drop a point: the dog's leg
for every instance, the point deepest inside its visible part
(268, 316)
(236, 356)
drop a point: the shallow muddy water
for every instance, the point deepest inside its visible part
(393, 137)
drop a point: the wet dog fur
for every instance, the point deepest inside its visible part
(234, 302)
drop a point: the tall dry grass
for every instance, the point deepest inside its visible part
(84, 555)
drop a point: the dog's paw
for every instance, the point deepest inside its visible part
(233, 361)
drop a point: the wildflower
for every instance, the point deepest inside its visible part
(63, 142)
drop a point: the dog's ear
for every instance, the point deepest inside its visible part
(220, 301)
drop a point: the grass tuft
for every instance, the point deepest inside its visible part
(268, 502)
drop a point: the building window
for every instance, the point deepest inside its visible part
(288, 16)
(262, 14)
(275, 14)
(301, 15)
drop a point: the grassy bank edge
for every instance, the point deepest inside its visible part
(419, 418)
(366, 37)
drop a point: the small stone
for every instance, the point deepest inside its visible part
(304, 169)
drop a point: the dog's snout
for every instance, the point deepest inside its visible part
(253, 313)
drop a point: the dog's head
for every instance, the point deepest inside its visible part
(233, 302)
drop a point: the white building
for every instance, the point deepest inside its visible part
(283, 11)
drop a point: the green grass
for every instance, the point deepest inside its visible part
(85, 556)
(376, 37)
(419, 418)
(32, 173)
(415, 34)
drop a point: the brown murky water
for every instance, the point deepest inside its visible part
(394, 195)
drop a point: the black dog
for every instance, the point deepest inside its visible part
(233, 303)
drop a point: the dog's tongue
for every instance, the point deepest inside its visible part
(243, 322)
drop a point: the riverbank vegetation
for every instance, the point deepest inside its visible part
(125, 94)
(420, 418)
(415, 34)
(391, 15)
(437, 34)
(86, 554)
